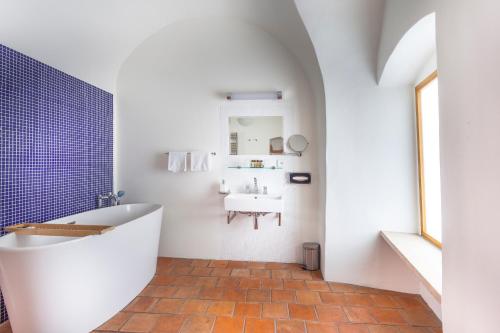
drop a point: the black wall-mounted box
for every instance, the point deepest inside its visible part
(299, 177)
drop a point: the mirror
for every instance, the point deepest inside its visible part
(262, 135)
(298, 144)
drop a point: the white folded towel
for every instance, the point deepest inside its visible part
(177, 161)
(200, 161)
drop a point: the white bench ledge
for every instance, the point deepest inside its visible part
(424, 258)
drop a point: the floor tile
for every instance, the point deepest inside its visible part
(251, 310)
(235, 295)
(290, 326)
(140, 322)
(282, 296)
(265, 297)
(228, 325)
(258, 295)
(413, 329)
(194, 306)
(341, 287)
(250, 283)
(200, 263)
(237, 264)
(275, 311)
(301, 275)
(187, 292)
(201, 271)
(218, 263)
(330, 313)
(168, 305)
(358, 314)
(387, 316)
(332, 298)
(240, 272)
(353, 328)
(115, 323)
(295, 284)
(169, 324)
(383, 329)
(221, 308)
(313, 327)
(275, 265)
(419, 317)
(384, 301)
(256, 265)
(410, 302)
(185, 281)
(164, 291)
(211, 293)
(272, 284)
(308, 297)
(317, 286)
(358, 299)
(141, 304)
(198, 324)
(260, 273)
(254, 325)
(163, 280)
(207, 281)
(221, 272)
(228, 282)
(148, 291)
(301, 312)
(281, 274)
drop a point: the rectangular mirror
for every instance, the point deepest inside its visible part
(262, 135)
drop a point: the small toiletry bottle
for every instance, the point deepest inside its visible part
(222, 186)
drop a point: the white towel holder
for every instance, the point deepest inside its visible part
(212, 153)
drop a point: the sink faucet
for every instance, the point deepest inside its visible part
(255, 186)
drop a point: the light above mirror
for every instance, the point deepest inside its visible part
(259, 135)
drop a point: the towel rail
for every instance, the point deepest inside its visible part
(212, 153)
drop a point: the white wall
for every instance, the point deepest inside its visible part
(469, 83)
(371, 158)
(170, 93)
(399, 17)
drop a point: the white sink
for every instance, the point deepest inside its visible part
(259, 203)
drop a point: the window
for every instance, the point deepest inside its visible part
(428, 158)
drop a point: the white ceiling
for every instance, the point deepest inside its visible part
(90, 39)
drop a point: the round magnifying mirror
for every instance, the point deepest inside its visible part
(298, 144)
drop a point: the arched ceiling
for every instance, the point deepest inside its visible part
(414, 49)
(90, 39)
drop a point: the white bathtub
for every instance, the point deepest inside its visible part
(73, 285)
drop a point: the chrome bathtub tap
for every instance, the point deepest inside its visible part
(112, 198)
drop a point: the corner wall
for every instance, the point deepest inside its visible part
(370, 140)
(469, 82)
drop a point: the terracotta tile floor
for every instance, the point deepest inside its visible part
(214, 296)
(232, 296)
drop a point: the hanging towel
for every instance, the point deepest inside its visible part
(200, 161)
(177, 161)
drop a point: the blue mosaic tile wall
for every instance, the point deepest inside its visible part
(56, 143)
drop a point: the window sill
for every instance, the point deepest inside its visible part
(422, 257)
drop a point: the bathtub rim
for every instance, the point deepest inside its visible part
(78, 239)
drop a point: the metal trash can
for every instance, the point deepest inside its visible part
(311, 256)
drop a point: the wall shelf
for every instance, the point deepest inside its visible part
(247, 168)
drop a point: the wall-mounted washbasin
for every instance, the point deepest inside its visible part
(254, 203)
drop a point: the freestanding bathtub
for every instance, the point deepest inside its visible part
(72, 285)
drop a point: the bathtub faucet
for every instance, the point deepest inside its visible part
(112, 198)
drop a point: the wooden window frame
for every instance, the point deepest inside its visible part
(421, 183)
